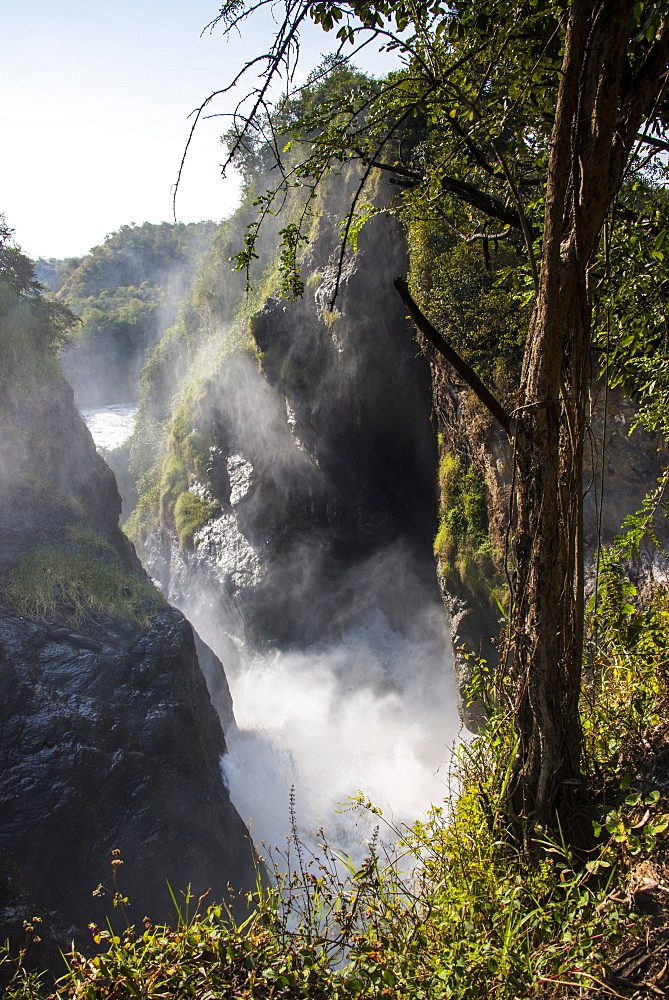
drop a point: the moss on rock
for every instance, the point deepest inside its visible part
(191, 512)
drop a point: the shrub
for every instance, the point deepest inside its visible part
(462, 544)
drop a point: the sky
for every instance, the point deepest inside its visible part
(94, 104)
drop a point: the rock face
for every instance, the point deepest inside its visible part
(619, 471)
(51, 477)
(114, 748)
(323, 456)
(109, 740)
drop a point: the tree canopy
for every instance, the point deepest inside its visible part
(541, 124)
(51, 321)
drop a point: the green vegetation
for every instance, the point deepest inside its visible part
(32, 328)
(125, 291)
(484, 128)
(461, 908)
(462, 545)
(191, 512)
(132, 256)
(85, 576)
(472, 296)
(215, 320)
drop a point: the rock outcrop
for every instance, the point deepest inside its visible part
(109, 739)
(110, 742)
(324, 455)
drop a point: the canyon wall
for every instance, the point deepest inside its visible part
(110, 741)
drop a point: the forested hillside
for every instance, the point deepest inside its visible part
(125, 292)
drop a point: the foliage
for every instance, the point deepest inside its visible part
(25, 358)
(628, 675)
(53, 273)
(462, 544)
(632, 335)
(133, 255)
(16, 270)
(191, 512)
(451, 127)
(28, 320)
(473, 300)
(125, 292)
(86, 577)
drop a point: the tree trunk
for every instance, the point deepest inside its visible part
(547, 618)
(596, 121)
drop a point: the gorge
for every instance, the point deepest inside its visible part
(284, 477)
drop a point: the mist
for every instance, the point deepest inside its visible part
(315, 584)
(371, 716)
(370, 712)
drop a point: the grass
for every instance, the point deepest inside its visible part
(86, 577)
(455, 909)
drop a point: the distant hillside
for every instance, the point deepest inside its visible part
(125, 291)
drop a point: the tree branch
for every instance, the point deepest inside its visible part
(461, 367)
(651, 140)
(485, 203)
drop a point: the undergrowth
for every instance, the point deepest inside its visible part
(456, 908)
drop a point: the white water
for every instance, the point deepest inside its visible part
(111, 425)
(373, 714)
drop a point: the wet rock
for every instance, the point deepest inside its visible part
(108, 736)
(114, 750)
(323, 456)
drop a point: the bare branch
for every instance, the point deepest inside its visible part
(454, 359)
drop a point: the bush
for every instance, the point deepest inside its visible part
(462, 544)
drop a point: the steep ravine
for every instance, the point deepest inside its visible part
(315, 580)
(323, 455)
(110, 741)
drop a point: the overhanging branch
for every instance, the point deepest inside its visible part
(454, 359)
(478, 199)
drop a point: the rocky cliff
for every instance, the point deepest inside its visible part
(109, 738)
(620, 469)
(322, 455)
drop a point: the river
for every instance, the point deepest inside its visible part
(111, 425)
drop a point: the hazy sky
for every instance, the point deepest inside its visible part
(94, 99)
